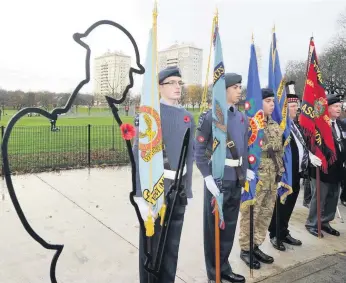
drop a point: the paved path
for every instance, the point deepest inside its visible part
(90, 213)
(325, 269)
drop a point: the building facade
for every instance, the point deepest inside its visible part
(187, 57)
(111, 75)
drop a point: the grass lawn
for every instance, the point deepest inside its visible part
(33, 146)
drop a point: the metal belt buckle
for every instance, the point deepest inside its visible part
(230, 144)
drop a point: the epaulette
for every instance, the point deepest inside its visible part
(137, 120)
(202, 118)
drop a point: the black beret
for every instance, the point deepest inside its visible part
(267, 92)
(171, 71)
(333, 99)
(232, 79)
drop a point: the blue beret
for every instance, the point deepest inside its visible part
(267, 92)
(169, 72)
(232, 79)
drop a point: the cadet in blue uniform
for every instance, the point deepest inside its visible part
(174, 122)
(237, 127)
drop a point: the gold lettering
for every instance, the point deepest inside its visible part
(280, 90)
(157, 191)
(150, 154)
(215, 144)
(326, 118)
(310, 83)
(308, 110)
(318, 138)
(218, 73)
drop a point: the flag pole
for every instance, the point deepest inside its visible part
(251, 215)
(318, 179)
(277, 210)
(217, 218)
(217, 245)
(318, 192)
(151, 278)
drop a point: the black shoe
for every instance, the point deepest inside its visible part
(343, 202)
(291, 241)
(314, 232)
(306, 204)
(261, 256)
(279, 247)
(225, 278)
(330, 230)
(245, 256)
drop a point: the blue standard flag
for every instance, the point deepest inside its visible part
(277, 83)
(219, 128)
(254, 112)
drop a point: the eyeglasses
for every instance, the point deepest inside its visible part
(180, 83)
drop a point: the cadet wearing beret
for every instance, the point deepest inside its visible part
(269, 172)
(237, 127)
(174, 122)
(330, 182)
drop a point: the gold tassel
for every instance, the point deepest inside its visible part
(149, 226)
(162, 213)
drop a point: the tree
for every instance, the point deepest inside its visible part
(342, 25)
(194, 95)
(243, 93)
(136, 100)
(333, 62)
(184, 98)
(296, 71)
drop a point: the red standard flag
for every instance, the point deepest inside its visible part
(314, 118)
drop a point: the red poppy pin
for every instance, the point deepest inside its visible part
(127, 131)
(186, 119)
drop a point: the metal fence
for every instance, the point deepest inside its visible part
(38, 148)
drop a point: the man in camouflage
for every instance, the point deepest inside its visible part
(270, 172)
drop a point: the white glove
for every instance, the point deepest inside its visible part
(211, 186)
(250, 175)
(315, 161)
(143, 207)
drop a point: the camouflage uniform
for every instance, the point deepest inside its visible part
(268, 173)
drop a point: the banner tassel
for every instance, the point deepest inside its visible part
(149, 226)
(162, 213)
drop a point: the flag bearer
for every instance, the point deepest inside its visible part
(174, 122)
(237, 128)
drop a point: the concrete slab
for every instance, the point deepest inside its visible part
(90, 212)
(330, 268)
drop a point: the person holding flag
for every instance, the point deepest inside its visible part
(301, 158)
(315, 122)
(330, 181)
(161, 126)
(255, 114)
(269, 174)
(221, 157)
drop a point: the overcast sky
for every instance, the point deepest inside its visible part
(37, 51)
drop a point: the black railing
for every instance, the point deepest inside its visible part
(37, 149)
